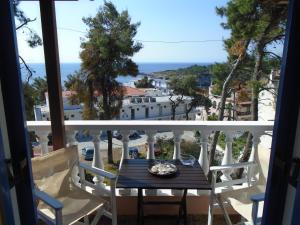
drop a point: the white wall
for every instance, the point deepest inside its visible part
(154, 110)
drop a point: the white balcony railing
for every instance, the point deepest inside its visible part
(206, 128)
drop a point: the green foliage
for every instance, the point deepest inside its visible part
(145, 82)
(76, 82)
(187, 86)
(238, 144)
(191, 70)
(40, 86)
(166, 147)
(220, 72)
(106, 53)
(34, 94)
(212, 117)
(32, 38)
(29, 97)
(190, 148)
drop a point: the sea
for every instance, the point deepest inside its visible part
(144, 68)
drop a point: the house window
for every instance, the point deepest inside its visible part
(122, 110)
(151, 107)
(165, 106)
(137, 109)
(72, 116)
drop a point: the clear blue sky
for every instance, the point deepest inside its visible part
(161, 20)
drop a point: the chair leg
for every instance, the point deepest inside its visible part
(225, 213)
(86, 220)
(98, 216)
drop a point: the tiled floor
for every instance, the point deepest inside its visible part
(168, 220)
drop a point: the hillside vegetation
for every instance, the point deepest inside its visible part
(191, 70)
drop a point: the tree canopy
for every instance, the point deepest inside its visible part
(186, 87)
(145, 82)
(106, 53)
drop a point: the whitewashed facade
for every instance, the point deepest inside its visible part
(152, 105)
(149, 108)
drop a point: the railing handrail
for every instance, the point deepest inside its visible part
(152, 127)
(257, 126)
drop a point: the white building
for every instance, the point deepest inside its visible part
(71, 112)
(138, 104)
(151, 104)
(157, 108)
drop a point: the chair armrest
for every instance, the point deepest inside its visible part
(98, 171)
(52, 202)
(232, 166)
(258, 198)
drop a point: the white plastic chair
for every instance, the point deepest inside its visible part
(245, 195)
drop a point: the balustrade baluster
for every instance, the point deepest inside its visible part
(227, 158)
(71, 140)
(43, 140)
(151, 155)
(176, 155)
(177, 141)
(253, 158)
(125, 155)
(151, 141)
(203, 158)
(97, 159)
(125, 140)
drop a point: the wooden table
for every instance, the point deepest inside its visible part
(134, 174)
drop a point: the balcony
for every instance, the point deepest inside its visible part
(197, 200)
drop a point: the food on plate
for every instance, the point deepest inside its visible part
(163, 168)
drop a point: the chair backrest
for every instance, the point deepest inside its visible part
(52, 172)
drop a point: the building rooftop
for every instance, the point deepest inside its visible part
(131, 91)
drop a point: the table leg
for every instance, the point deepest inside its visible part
(184, 207)
(140, 213)
(179, 215)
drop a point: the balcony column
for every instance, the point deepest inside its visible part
(227, 158)
(125, 155)
(43, 139)
(177, 141)
(97, 159)
(203, 158)
(252, 171)
(50, 44)
(151, 141)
